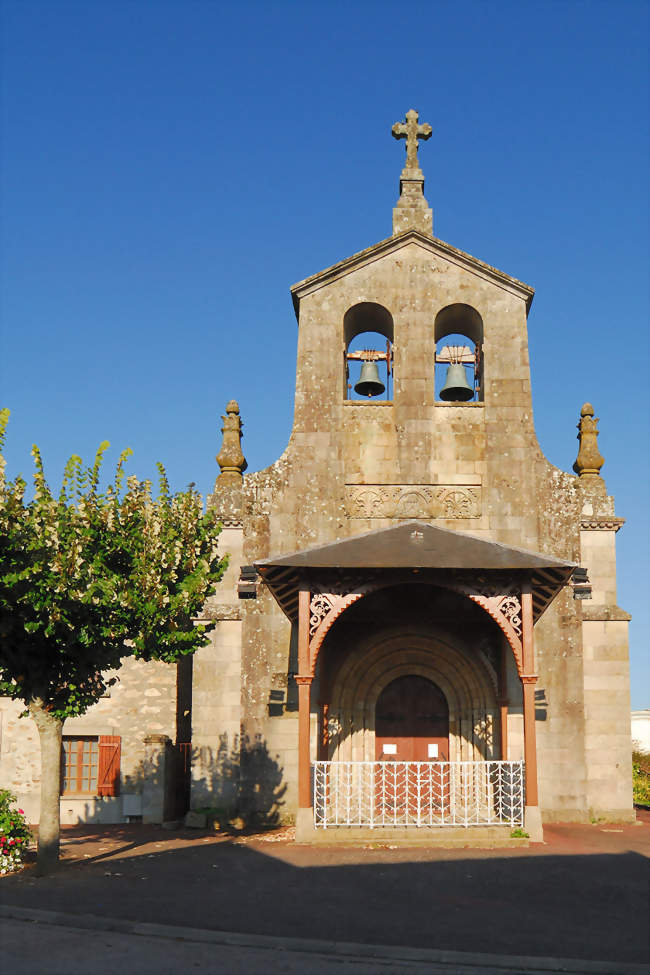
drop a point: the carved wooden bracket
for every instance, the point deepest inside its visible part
(503, 603)
(504, 608)
(324, 609)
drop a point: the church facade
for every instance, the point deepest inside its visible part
(419, 625)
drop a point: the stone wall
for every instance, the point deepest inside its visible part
(606, 662)
(142, 702)
(217, 684)
(477, 467)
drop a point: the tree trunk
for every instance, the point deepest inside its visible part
(50, 731)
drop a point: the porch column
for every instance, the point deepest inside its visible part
(304, 763)
(532, 814)
(304, 818)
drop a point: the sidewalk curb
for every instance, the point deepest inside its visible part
(341, 949)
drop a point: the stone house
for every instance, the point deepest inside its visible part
(418, 626)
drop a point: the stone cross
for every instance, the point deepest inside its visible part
(411, 131)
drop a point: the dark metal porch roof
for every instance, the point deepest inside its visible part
(412, 545)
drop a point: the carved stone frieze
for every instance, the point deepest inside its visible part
(602, 524)
(413, 501)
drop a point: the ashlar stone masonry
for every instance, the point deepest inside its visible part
(355, 465)
(301, 654)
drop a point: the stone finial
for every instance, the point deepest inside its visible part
(588, 461)
(412, 211)
(230, 458)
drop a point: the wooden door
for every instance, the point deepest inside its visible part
(411, 725)
(412, 722)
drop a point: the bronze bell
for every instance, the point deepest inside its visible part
(456, 387)
(369, 382)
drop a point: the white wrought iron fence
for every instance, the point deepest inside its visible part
(418, 794)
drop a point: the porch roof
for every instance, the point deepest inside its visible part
(412, 545)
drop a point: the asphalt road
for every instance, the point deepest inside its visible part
(35, 948)
(581, 896)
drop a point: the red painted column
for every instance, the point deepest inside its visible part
(503, 703)
(530, 742)
(303, 680)
(304, 762)
(528, 680)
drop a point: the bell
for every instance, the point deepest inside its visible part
(369, 382)
(456, 387)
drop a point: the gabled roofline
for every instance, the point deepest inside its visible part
(322, 278)
(394, 555)
(508, 556)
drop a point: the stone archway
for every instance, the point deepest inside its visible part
(464, 678)
(315, 587)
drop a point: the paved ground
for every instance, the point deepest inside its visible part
(41, 948)
(583, 895)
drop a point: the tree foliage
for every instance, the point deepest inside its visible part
(91, 576)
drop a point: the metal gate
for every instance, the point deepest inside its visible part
(379, 794)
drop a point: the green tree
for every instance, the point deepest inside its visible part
(87, 578)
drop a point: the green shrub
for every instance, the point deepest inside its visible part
(14, 834)
(641, 778)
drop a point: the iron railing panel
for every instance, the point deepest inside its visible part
(377, 794)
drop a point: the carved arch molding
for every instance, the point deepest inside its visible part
(501, 603)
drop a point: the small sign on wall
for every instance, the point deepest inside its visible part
(390, 749)
(432, 750)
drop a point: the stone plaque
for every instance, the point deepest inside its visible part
(413, 501)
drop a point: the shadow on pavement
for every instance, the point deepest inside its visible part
(569, 906)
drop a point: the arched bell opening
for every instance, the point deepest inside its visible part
(368, 336)
(412, 631)
(459, 354)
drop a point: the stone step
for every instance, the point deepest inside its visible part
(478, 837)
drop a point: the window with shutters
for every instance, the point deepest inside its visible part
(91, 765)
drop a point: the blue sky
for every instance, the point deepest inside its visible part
(171, 168)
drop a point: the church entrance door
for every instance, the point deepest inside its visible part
(411, 725)
(411, 722)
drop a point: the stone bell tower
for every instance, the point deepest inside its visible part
(439, 429)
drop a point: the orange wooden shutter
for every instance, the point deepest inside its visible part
(108, 775)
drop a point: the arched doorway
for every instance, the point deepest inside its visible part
(411, 721)
(448, 642)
